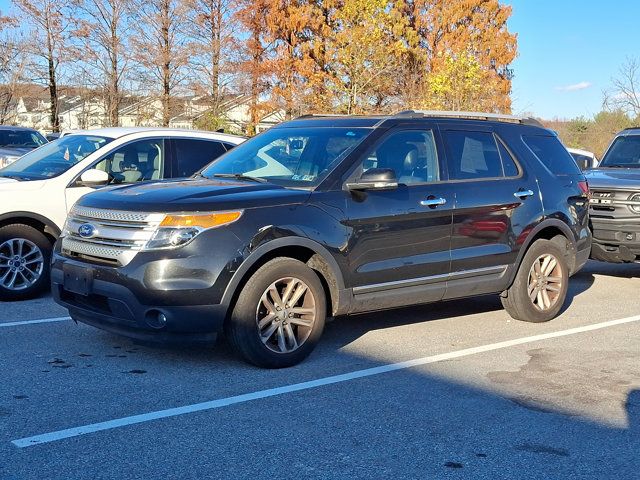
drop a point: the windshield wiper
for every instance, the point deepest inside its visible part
(240, 176)
(620, 165)
(13, 177)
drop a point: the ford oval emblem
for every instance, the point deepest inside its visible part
(86, 230)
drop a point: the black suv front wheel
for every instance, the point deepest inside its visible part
(540, 287)
(279, 315)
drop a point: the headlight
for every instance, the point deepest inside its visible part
(178, 230)
(6, 160)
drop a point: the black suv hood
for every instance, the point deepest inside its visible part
(614, 178)
(192, 195)
(14, 151)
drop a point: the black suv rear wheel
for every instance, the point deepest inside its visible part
(279, 315)
(540, 287)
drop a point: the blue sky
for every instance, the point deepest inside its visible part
(568, 52)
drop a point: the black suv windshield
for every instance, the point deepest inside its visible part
(20, 139)
(292, 157)
(623, 153)
(54, 158)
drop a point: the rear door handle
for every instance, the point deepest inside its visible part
(433, 202)
(522, 194)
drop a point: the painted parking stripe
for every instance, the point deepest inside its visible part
(33, 322)
(247, 397)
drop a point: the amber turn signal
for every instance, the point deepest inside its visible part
(206, 220)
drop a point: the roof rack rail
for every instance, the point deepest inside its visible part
(311, 115)
(470, 115)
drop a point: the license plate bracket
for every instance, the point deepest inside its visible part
(77, 279)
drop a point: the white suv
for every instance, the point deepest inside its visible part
(37, 191)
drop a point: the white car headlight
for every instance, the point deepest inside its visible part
(178, 230)
(6, 160)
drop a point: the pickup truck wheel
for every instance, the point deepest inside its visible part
(540, 287)
(24, 262)
(279, 315)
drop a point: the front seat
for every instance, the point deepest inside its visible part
(130, 167)
(153, 170)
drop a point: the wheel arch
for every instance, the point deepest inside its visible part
(316, 256)
(548, 230)
(37, 221)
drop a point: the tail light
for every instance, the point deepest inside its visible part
(584, 188)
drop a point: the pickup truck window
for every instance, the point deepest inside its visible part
(623, 153)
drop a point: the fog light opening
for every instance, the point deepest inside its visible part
(156, 319)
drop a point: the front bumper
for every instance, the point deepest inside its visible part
(186, 289)
(615, 240)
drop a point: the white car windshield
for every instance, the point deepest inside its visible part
(55, 158)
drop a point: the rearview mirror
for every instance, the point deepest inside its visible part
(375, 179)
(94, 178)
(296, 144)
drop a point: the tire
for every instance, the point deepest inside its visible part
(546, 303)
(25, 254)
(251, 320)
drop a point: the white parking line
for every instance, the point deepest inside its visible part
(31, 322)
(247, 397)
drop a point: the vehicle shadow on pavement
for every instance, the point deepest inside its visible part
(619, 270)
(344, 330)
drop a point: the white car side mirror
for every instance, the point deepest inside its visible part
(94, 178)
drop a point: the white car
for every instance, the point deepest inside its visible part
(584, 158)
(37, 191)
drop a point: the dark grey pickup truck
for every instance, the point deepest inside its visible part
(615, 200)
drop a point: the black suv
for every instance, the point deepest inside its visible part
(325, 216)
(615, 202)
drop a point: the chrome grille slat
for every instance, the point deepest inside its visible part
(118, 238)
(116, 215)
(108, 242)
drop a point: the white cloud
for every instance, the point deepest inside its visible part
(575, 87)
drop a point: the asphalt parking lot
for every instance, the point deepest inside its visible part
(478, 396)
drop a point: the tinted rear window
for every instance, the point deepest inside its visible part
(552, 154)
(193, 155)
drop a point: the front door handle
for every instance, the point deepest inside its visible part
(522, 194)
(433, 202)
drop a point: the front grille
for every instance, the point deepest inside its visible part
(614, 203)
(115, 236)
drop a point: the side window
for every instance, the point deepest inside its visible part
(411, 154)
(193, 154)
(135, 162)
(552, 154)
(473, 155)
(508, 163)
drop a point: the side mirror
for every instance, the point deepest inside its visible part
(94, 178)
(375, 179)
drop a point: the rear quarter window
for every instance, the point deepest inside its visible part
(552, 154)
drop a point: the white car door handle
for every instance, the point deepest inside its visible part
(433, 202)
(522, 194)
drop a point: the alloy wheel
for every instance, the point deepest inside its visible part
(545, 282)
(286, 315)
(21, 264)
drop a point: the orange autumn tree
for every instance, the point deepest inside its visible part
(466, 28)
(364, 56)
(251, 15)
(290, 30)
